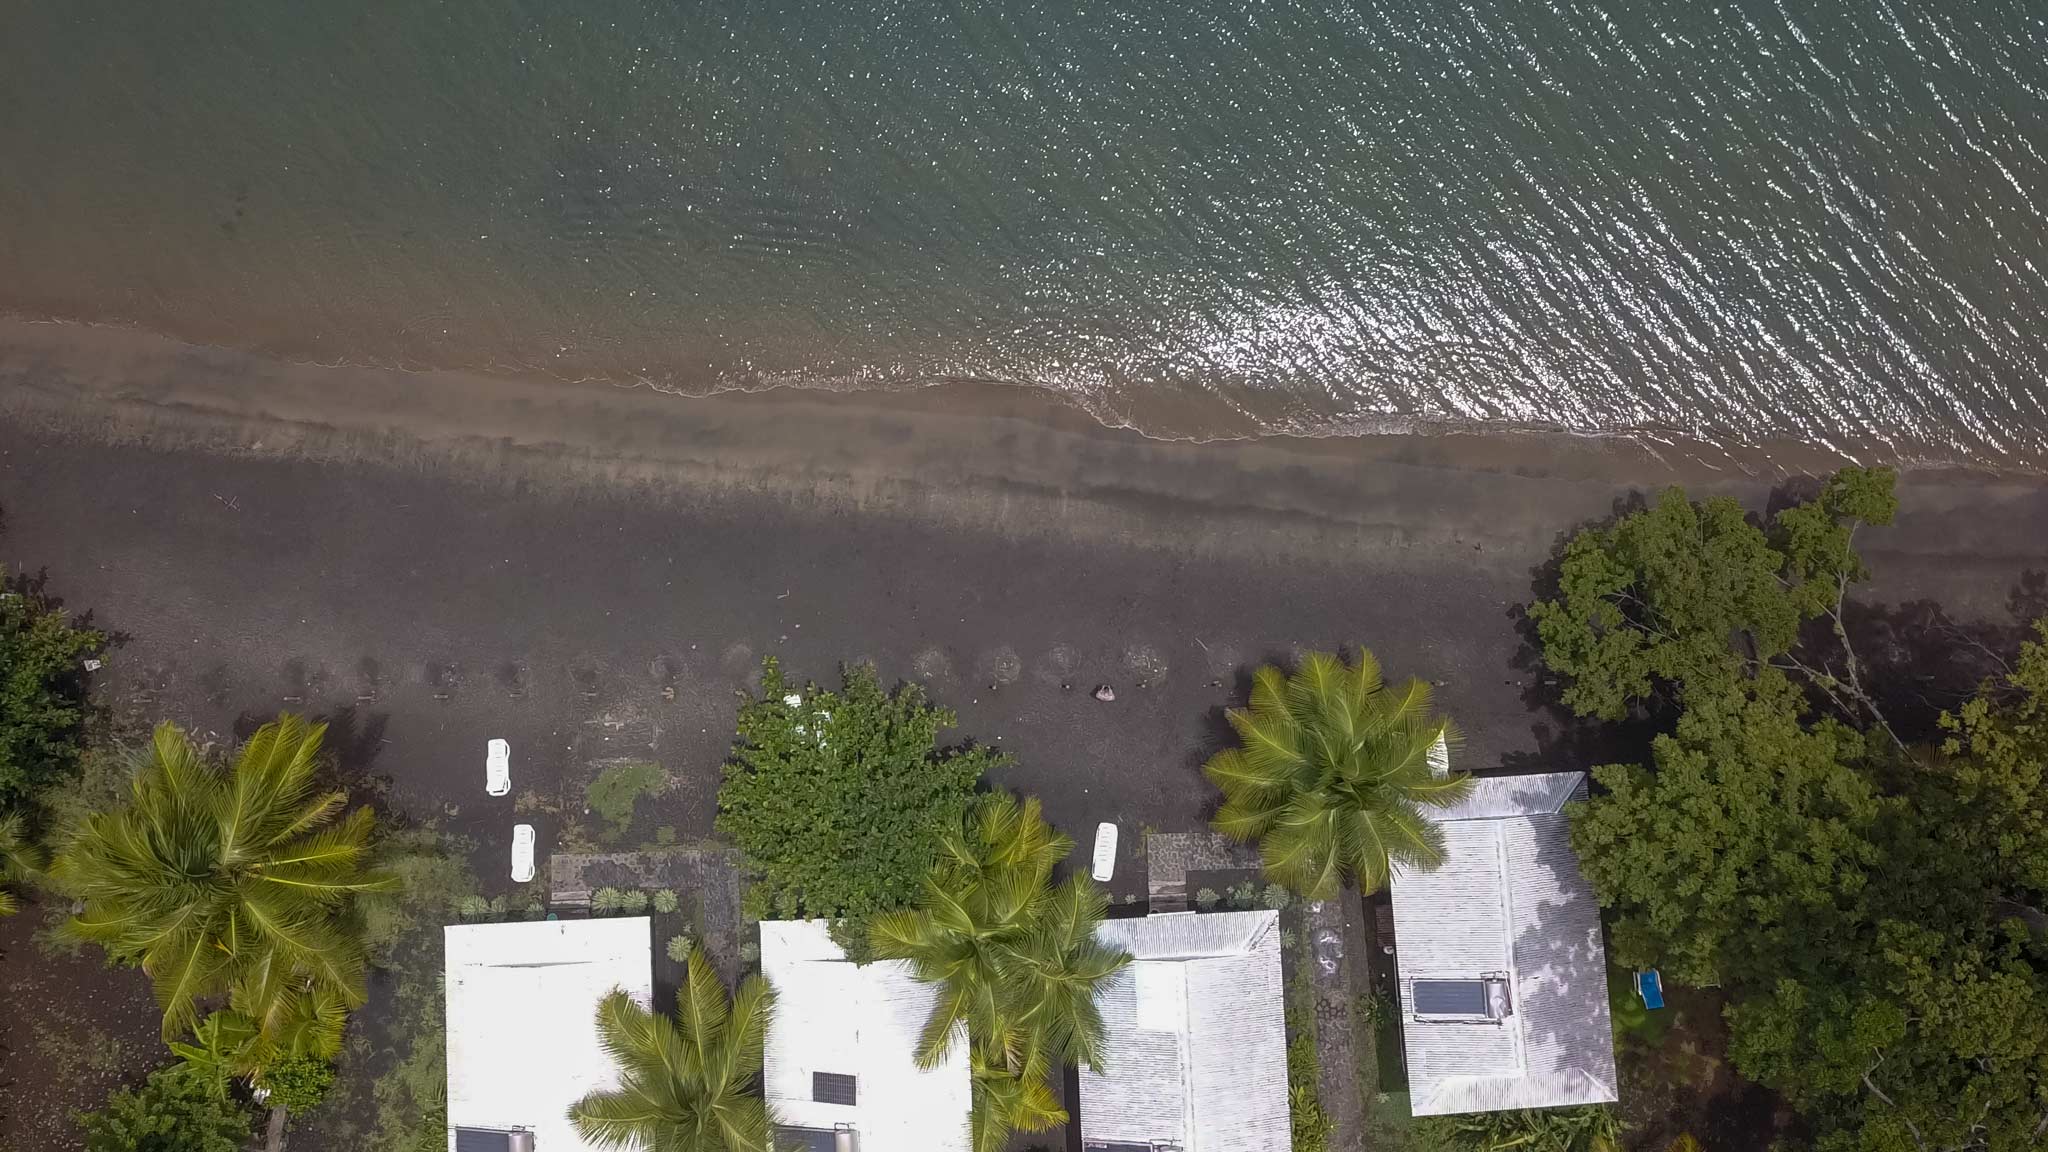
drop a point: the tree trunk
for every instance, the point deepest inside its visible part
(273, 1140)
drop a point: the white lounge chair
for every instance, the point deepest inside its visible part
(1105, 852)
(522, 853)
(498, 767)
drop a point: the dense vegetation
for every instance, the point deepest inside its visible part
(1332, 776)
(687, 1083)
(1017, 959)
(1868, 897)
(838, 799)
(175, 1111)
(42, 690)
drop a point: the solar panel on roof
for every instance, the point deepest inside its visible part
(832, 1088)
(1450, 997)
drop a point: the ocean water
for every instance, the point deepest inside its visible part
(1739, 221)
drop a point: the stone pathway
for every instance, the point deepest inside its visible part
(710, 875)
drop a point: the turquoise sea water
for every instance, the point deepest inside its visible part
(1743, 221)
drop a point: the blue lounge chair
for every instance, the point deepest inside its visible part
(1650, 986)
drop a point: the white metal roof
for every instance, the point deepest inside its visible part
(834, 1016)
(522, 1019)
(1196, 1052)
(1509, 901)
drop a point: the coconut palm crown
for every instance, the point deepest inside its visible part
(1017, 960)
(687, 1084)
(1332, 775)
(19, 860)
(239, 881)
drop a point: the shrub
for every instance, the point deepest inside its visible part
(633, 903)
(612, 795)
(42, 696)
(1304, 1105)
(679, 949)
(750, 951)
(298, 1083)
(1276, 897)
(1588, 1128)
(665, 902)
(1244, 896)
(838, 799)
(607, 901)
(174, 1111)
(473, 908)
(1206, 899)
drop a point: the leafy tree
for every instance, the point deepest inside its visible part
(175, 1111)
(1695, 593)
(1017, 958)
(1865, 904)
(19, 860)
(1332, 775)
(1590, 1128)
(838, 799)
(42, 689)
(240, 882)
(688, 1083)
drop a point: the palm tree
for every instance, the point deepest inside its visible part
(1333, 774)
(686, 1082)
(240, 881)
(19, 860)
(1006, 1099)
(1017, 959)
(982, 898)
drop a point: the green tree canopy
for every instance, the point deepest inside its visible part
(1866, 905)
(175, 1111)
(42, 689)
(838, 799)
(1017, 960)
(1332, 775)
(239, 882)
(688, 1084)
(1688, 592)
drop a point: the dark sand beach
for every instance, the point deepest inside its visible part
(456, 558)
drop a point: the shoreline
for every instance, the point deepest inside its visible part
(448, 408)
(1006, 458)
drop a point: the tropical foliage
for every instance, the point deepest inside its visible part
(42, 689)
(1863, 895)
(1593, 1128)
(688, 1084)
(838, 799)
(19, 860)
(240, 882)
(175, 1111)
(1017, 959)
(1332, 775)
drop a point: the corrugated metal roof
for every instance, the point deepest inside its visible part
(1508, 898)
(835, 1017)
(1215, 1079)
(522, 1020)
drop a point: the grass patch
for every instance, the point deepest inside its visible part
(1633, 1023)
(612, 795)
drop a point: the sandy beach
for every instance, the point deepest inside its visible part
(453, 557)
